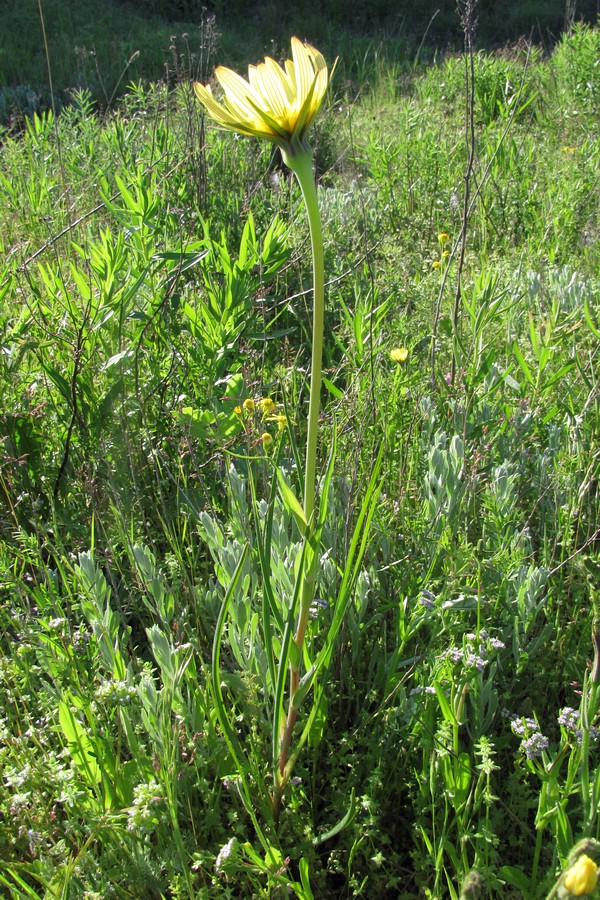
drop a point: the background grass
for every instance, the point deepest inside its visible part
(154, 274)
(103, 49)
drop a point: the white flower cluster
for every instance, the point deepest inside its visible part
(533, 742)
(224, 853)
(148, 810)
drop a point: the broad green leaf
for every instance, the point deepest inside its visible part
(305, 879)
(590, 319)
(291, 503)
(523, 365)
(444, 705)
(333, 390)
(198, 421)
(273, 858)
(80, 746)
(515, 878)
(462, 777)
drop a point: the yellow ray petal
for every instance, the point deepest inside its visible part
(308, 110)
(303, 69)
(237, 91)
(283, 76)
(291, 74)
(219, 113)
(270, 89)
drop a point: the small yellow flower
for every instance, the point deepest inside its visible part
(267, 440)
(582, 878)
(267, 406)
(281, 421)
(238, 410)
(399, 354)
(277, 103)
(445, 253)
(443, 237)
(248, 405)
(435, 264)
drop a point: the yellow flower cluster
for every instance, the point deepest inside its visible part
(443, 238)
(266, 405)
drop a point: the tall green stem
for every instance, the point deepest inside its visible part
(589, 708)
(301, 165)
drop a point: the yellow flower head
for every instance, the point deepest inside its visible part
(267, 440)
(443, 237)
(281, 421)
(267, 406)
(248, 405)
(277, 103)
(399, 354)
(445, 252)
(238, 410)
(435, 264)
(582, 878)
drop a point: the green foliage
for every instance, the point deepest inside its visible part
(153, 293)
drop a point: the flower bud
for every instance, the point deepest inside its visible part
(399, 354)
(582, 878)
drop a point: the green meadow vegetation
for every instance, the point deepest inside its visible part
(155, 353)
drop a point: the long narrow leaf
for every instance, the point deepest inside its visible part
(28, 891)
(284, 659)
(231, 739)
(294, 444)
(339, 826)
(590, 319)
(270, 611)
(291, 503)
(229, 733)
(356, 552)
(354, 560)
(524, 367)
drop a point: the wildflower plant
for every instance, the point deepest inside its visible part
(278, 103)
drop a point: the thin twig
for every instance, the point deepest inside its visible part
(474, 197)
(469, 26)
